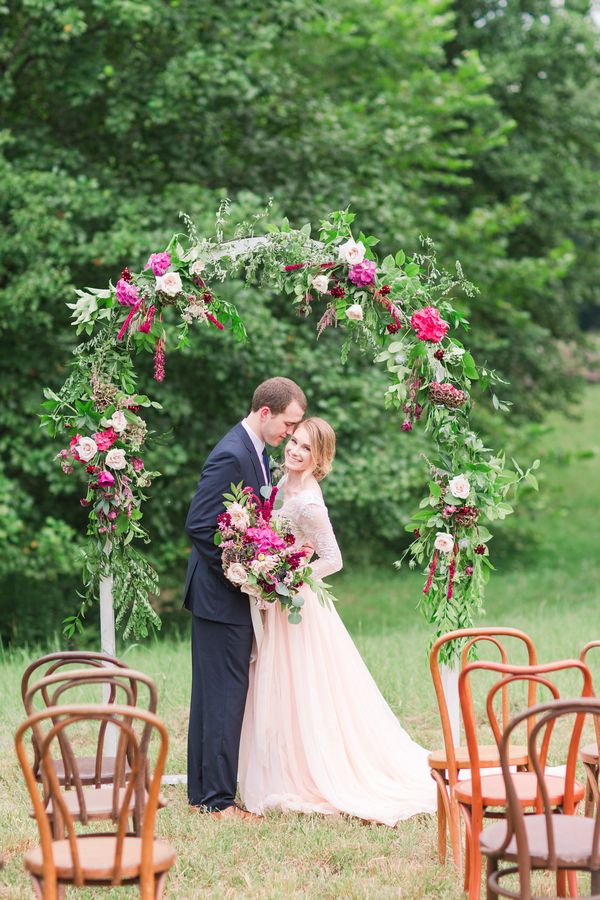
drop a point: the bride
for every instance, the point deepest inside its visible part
(317, 734)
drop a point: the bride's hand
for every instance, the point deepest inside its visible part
(309, 552)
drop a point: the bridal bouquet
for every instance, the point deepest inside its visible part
(258, 553)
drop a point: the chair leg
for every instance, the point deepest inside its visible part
(475, 870)
(455, 835)
(490, 869)
(466, 814)
(572, 883)
(442, 823)
(595, 886)
(160, 883)
(561, 883)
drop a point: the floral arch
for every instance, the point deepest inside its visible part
(399, 309)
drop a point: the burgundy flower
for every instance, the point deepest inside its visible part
(385, 289)
(439, 354)
(337, 291)
(126, 275)
(293, 267)
(91, 470)
(159, 360)
(417, 532)
(207, 296)
(215, 321)
(393, 328)
(407, 425)
(289, 539)
(84, 502)
(480, 549)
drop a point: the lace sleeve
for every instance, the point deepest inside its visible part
(317, 529)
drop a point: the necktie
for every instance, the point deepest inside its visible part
(265, 459)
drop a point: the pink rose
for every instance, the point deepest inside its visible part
(137, 463)
(127, 294)
(429, 325)
(105, 439)
(106, 478)
(363, 273)
(159, 263)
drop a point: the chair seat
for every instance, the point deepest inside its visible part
(86, 766)
(96, 856)
(488, 757)
(98, 802)
(493, 789)
(589, 754)
(572, 835)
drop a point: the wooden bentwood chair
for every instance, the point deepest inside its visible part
(447, 763)
(108, 859)
(589, 756)
(87, 802)
(484, 796)
(95, 769)
(545, 840)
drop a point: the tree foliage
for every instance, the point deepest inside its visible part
(118, 115)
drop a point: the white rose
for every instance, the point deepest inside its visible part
(236, 574)
(460, 487)
(170, 284)
(86, 448)
(351, 252)
(444, 542)
(321, 283)
(355, 312)
(197, 267)
(118, 421)
(116, 459)
(239, 516)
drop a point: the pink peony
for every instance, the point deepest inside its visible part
(266, 539)
(159, 263)
(363, 273)
(106, 478)
(105, 439)
(429, 325)
(127, 293)
(137, 463)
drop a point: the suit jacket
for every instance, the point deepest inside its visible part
(208, 594)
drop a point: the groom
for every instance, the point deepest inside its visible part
(221, 623)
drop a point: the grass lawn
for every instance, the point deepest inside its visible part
(552, 591)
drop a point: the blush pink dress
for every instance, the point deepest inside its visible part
(318, 736)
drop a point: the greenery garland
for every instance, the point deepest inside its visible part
(400, 309)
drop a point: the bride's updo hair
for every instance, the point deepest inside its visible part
(322, 445)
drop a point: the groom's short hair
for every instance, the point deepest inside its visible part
(277, 393)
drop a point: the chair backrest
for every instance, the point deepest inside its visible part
(51, 691)
(52, 662)
(511, 675)
(56, 721)
(543, 717)
(467, 638)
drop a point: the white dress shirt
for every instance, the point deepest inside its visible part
(259, 446)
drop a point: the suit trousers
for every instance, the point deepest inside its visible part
(220, 664)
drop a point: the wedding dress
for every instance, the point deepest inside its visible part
(318, 736)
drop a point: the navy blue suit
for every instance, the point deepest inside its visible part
(221, 629)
